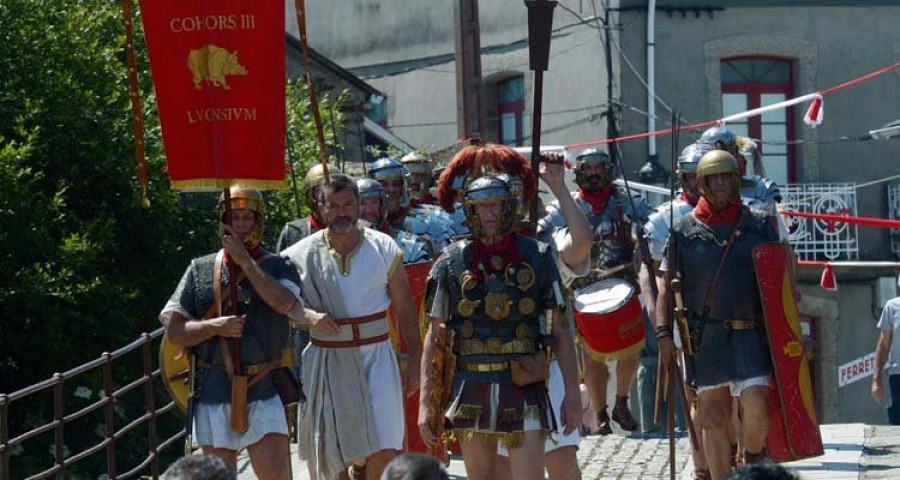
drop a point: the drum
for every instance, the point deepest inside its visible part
(610, 319)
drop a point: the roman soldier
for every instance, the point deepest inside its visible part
(729, 357)
(611, 215)
(490, 293)
(756, 191)
(419, 179)
(268, 295)
(297, 230)
(410, 225)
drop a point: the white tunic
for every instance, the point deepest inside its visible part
(354, 396)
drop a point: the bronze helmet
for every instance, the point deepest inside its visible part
(715, 162)
(246, 199)
(490, 188)
(315, 178)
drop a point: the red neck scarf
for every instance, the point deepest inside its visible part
(598, 199)
(315, 223)
(428, 199)
(688, 198)
(505, 249)
(705, 213)
(396, 217)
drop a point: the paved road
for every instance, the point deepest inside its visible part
(852, 451)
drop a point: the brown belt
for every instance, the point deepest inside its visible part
(356, 342)
(354, 324)
(361, 320)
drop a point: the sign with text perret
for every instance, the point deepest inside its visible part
(219, 71)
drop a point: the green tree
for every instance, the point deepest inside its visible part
(85, 269)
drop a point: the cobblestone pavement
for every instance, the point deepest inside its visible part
(852, 451)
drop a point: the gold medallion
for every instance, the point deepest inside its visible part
(496, 262)
(526, 306)
(466, 307)
(522, 332)
(525, 277)
(496, 305)
(467, 329)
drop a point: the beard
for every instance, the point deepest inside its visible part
(342, 225)
(594, 183)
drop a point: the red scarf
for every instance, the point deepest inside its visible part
(315, 223)
(396, 217)
(598, 199)
(428, 199)
(705, 213)
(688, 198)
(505, 249)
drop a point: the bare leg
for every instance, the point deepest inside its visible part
(271, 457)
(230, 456)
(478, 455)
(527, 460)
(715, 414)
(626, 370)
(596, 376)
(376, 463)
(562, 464)
(503, 470)
(755, 420)
(697, 454)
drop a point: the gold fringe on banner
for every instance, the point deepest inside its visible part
(217, 184)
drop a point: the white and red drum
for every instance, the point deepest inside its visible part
(610, 319)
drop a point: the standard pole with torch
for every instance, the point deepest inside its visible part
(540, 27)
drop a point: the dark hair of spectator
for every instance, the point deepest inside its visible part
(765, 471)
(199, 467)
(414, 466)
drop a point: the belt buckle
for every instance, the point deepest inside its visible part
(252, 369)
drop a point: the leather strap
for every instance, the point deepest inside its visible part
(350, 343)
(734, 233)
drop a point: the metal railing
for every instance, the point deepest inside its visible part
(815, 239)
(55, 384)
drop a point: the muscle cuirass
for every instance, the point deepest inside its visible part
(496, 317)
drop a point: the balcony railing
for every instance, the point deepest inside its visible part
(814, 239)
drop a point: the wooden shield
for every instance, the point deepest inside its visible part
(793, 425)
(175, 367)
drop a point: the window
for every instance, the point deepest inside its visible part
(753, 82)
(510, 105)
(377, 110)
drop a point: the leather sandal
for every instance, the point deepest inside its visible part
(603, 426)
(622, 415)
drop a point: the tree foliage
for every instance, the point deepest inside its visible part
(85, 269)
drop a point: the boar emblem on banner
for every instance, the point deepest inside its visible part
(212, 64)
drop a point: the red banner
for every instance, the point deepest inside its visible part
(219, 71)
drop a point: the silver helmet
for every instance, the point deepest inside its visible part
(490, 188)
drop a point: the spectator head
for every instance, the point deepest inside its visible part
(764, 471)
(414, 466)
(199, 467)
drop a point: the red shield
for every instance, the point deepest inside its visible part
(416, 273)
(793, 425)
